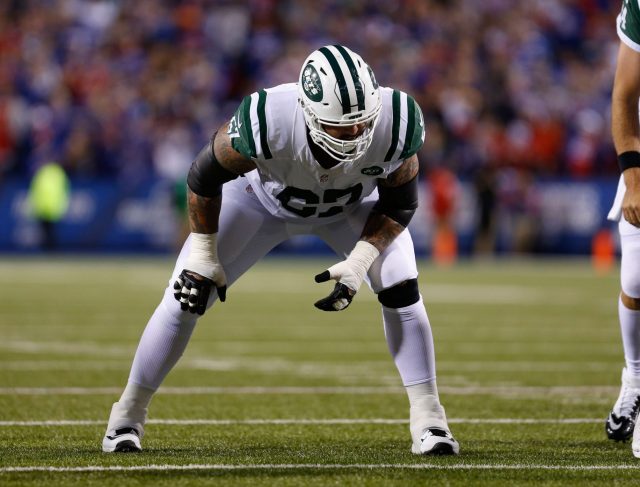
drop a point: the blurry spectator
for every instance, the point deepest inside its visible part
(519, 210)
(49, 200)
(99, 80)
(486, 198)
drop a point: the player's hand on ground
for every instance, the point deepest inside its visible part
(192, 291)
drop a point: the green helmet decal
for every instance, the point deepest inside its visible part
(311, 84)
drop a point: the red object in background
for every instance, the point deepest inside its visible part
(603, 250)
(444, 190)
(444, 186)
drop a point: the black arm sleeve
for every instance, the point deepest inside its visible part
(206, 175)
(398, 203)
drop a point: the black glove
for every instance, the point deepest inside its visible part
(339, 299)
(193, 292)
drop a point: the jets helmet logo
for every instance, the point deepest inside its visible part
(311, 84)
(372, 171)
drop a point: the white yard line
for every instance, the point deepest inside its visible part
(287, 421)
(498, 390)
(315, 466)
(283, 365)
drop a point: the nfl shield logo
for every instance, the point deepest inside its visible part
(324, 178)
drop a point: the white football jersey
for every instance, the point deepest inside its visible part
(269, 128)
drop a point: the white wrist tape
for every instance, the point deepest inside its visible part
(351, 271)
(203, 256)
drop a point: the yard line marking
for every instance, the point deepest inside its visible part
(317, 466)
(308, 368)
(91, 348)
(334, 421)
(497, 390)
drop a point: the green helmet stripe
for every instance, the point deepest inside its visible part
(354, 75)
(395, 128)
(262, 121)
(415, 129)
(342, 84)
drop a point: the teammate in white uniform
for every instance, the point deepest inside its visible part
(333, 155)
(626, 210)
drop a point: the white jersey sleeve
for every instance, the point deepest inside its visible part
(269, 128)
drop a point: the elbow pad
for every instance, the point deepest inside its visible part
(206, 175)
(398, 203)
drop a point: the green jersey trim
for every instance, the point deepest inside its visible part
(404, 107)
(395, 128)
(415, 129)
(262, 121)
(242, 137)
(628, 24)
(241, 127)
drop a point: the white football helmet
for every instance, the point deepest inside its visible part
(337, 88)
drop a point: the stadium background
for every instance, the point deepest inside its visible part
(123, 94)
(518, 159)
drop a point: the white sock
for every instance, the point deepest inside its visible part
(410, 342)
(131, 410)
(425, 410)
(630, 328)
(162, 344)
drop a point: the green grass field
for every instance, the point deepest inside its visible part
(272, 391)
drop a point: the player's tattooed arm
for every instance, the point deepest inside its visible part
(382, 225)
(227, 156)
(204, 211)
(216, 164)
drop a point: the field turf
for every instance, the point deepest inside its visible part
(272, 391)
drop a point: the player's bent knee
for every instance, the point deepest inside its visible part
(629, 302)
(401, 295)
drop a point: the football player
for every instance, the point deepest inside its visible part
(333, 155)
(626, 210)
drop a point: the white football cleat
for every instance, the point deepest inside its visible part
(621, 421)
(635, 444)
(436, 441)
(125, 440)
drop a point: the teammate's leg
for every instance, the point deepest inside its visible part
(620, 424)
(246, 233)
(393, 277)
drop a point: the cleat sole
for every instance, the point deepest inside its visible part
(440, 449)
(126, 446)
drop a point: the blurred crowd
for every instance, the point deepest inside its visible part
(128, 88)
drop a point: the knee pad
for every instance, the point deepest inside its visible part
(401, 295)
